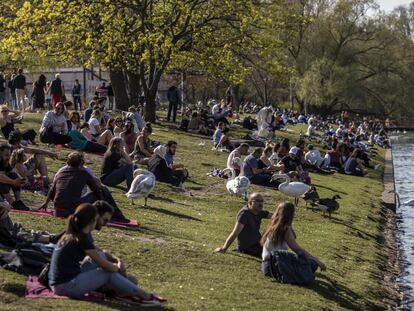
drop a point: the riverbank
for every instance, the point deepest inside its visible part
(172, 253)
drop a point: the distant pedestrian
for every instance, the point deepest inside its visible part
(111, 96)
(2, 89)
(12, 89)
(76, 94)
(56, 90)
(38, 94)
(19, 84)
(173, 96)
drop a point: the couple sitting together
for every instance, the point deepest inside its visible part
(279, 236)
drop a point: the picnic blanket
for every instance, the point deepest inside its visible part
(132, 223)
(35, 290)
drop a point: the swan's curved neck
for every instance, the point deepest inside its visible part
(286, 178)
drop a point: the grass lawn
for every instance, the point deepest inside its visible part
(172, 252)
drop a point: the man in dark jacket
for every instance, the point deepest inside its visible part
(19, 84)
(173, 97)
(56, 90)
(76, 94)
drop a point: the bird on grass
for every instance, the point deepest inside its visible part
(237, 185)
(294, 189)
(327, 205)
(142, 185)
(311, 196)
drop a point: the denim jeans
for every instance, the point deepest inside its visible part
(125, 172)
(93, 279)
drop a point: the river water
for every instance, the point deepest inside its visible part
(403, 158)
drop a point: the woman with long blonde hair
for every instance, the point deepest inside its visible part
(280, 235)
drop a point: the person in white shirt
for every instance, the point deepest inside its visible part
(243, 149)
(313, 157)
(101, 136)
(280, 236)
(54, 127)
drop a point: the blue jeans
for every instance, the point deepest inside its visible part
(94, 279)
(125, 172)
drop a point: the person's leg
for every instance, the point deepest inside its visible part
(29, 135)
(175, 107)
(255, 250)
(40, 163)
(60, 139)
(19, 99)
(105, 137)
(117, 176)
(107, 196)
(94, 147)
(170, 106)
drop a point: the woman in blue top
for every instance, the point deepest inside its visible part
(66, 277)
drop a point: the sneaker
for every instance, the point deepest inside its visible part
(19, 205)
(154, 301)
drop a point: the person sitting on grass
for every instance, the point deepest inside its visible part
(313, 157)
(256, 175)
(247, 227)
(354, 165)
(54, 127)
(178, 169)
(7, 121)
(66, 277)
(217, 134)
(73, 177)
(280, 235)
(265, 162)
(73, 120)
(99, 135)
(142, 150)
(196, 125)
(291, 164)
(26, 169)
(10, 181)
(240, 151)
(129, 136)
(117, 166)
(37, 158)
(163, 173)
(119, 126)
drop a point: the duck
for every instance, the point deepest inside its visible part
(327, 205)
(311, 195)
(142, 185)
(237, 185)
(294, 189)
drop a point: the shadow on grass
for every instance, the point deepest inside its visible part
(355, 231)
(170, 213)
(329, 188)
(113, 304)
(340, 294)
(14, 288)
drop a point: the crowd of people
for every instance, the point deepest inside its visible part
(123, 143)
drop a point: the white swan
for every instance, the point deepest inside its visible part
(240, 184)
(142, 185)
(293, 189)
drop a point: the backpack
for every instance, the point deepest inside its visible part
(289, 268)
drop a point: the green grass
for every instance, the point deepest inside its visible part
(172, 253)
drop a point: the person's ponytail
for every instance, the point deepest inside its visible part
(84, 215)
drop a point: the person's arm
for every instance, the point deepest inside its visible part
(126, 158)
(233, 235)
(294, 246)
(101, 262)
(94, 186)
(9, 181)
(22, 170)
(32, 150)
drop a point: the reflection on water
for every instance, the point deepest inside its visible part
(403, 151)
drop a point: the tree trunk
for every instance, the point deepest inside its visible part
(120, 92)
(150, 106)
(235, 92)
(134, 85)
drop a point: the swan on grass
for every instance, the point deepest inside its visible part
(142, 185)
(294, 189)
(240, 184)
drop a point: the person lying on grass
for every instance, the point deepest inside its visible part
(247, 227)
(280, 235)
(66, 276)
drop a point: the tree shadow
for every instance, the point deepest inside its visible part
(329, 188)
(170, 213)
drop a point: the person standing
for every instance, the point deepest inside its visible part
(12, 89)
(173, 97)
(56, 90)
(38, 94)
(19, 84)
(2, 89)
(76, 94)
(111, 96)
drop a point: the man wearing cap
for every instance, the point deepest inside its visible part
(291, 162)
(247, 227)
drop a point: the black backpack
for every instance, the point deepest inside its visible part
(289, 268)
